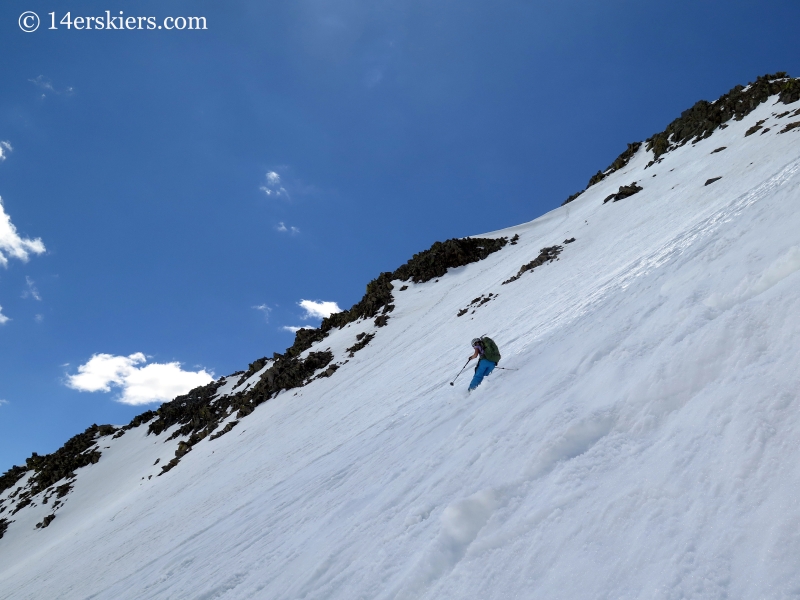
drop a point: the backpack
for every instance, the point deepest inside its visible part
(490, 350)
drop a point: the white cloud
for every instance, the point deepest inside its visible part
(144, 384)
(3, 319)
(282, 227)
(43, 83)
(273, 186)
(265, 309)
(3, 402)
(38, 318)
(295, 329)
(317, 309)
(5, 149)
(31, 292)
(12, 244)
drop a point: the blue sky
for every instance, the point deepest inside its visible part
(190, 188)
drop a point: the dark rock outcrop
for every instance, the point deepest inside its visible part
(442, 256)
(199, 412)
(477, 303)
(755, 128)
(625, 191)
(572, 197)
(46, 521)
(790, 126)
(11, 477)
(362, 341)
(702, 119)
(620, 162)
(79, 451)
(546, 255)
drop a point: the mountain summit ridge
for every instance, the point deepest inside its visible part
(630, 448)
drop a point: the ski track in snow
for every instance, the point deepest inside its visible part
(644, 447)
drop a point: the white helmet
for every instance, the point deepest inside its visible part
(476, 341)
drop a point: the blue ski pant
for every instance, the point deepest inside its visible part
(483, 369)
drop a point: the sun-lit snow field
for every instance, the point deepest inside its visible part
(646, 446)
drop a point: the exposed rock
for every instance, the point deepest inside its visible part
(790, 126)
(624, 191)
(23, 501)
(46, 521)
(253, 368)
(514, 239)
(329, 371)
(700, 121)
(572, 197)
(712, 180)
(755, 128)
(225, 430)
(183, 449)
(546, 255)
(569, 241)
(11, 477)
(3, 526)
(79, 451)
(199, 412)
(169, 466)
(442, 256)
(363, 341)
(477, 302)
(620, 162)
(63, 490)
(720, 149)
(145, 417)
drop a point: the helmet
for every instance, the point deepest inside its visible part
(476, 341)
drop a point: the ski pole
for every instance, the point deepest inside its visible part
(505, 369)
(460, 372)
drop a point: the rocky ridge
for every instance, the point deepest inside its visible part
(702, 119)
(199, 413)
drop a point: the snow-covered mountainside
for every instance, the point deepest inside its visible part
(642, 441)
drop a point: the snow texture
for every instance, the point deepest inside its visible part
(646, 446)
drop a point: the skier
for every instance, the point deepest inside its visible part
(489, 357)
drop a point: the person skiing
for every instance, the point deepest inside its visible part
(487, 350)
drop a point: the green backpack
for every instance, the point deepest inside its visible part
(490, 350)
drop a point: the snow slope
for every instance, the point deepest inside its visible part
(645, 446)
